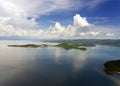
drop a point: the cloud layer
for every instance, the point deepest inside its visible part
(18, 18)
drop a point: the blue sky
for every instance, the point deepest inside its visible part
(52, 18)
(107, 11)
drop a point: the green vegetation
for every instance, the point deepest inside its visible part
(69, 46)
(29, 45)
(83, 48)
(112, 67)
(87, 44)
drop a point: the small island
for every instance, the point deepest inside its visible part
(29, 45)
(112, 67)
(69, 46)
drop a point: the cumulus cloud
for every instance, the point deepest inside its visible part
(80, 28)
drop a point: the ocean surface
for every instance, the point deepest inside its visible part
(53, 66)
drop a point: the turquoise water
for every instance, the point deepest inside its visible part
(52, 66)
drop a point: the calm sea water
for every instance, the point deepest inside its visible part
(52, 66)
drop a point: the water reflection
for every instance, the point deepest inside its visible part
(78, 59)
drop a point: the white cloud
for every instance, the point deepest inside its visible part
(79, 21)
(110, 34)
(95, 3)
(19, 22)
(94, 33)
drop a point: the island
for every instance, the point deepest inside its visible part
(112, 67)
(69, 46)
(29, 45)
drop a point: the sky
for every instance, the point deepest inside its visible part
(60, 19)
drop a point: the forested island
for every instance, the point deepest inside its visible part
(68, 46)
(29, 45)
(112, 67)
